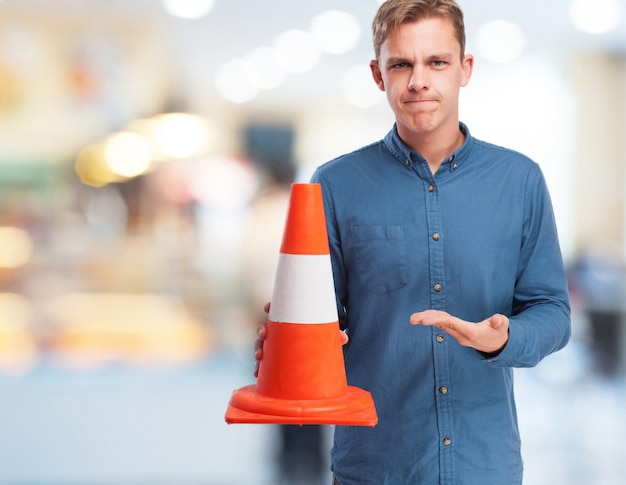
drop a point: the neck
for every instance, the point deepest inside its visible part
(436, 147)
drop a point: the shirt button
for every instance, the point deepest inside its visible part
(447, 441)
(443, 390)
(454, 167)
(440, 338)
(407, 162)
(431, 188)
(437, 287)
(436, 236)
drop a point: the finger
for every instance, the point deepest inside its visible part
(258, 345)
(431, 318)
(418, 318)
(458, 329)
(266, 307)
(344, 337)
(258, 356)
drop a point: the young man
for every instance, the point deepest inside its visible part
(447, 270)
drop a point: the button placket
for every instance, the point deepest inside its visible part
(434, 224)
(437, 281)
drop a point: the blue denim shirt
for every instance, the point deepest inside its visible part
(474, 239)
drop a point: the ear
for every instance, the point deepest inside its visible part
(467, 67)
(377, 75)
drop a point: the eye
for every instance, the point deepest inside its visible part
(438, 63)
(400, 65)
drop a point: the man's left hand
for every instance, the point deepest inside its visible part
(489, 336)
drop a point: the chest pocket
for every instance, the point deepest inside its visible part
(380, 256)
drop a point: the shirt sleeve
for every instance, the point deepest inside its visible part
(540, 321)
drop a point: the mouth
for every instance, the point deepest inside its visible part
(419, 103)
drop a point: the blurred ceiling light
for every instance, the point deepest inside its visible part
(182, 135)
(237, 81)
(269, 74)
(16, 247)
(296, 51)
(359, 88)
(500, 41)
(188, 9)
(595, 16)
(336, 31)
(128, 154)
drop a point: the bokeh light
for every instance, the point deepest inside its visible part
(595, 16)
(336, 31)
(188, 9)
(182, 135)
(296, 51)
(92, 168)
(237, 81)
(269, 74)
(128, 154)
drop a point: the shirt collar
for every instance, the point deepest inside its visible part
(407, 157)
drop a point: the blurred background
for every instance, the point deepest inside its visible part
(146, 152)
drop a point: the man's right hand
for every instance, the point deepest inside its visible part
(262, 334)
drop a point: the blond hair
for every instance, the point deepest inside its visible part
(394, 13)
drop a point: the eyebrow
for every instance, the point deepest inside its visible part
(392, 61)
(443, 56)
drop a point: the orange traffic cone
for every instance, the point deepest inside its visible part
(302, 378)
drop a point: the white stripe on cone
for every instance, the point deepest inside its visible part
(304, 290)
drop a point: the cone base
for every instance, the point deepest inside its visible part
(356, 408)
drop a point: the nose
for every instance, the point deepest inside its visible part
(417, 81)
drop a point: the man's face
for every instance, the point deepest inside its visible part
(421, 70)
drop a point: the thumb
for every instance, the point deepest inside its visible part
(497, 320)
